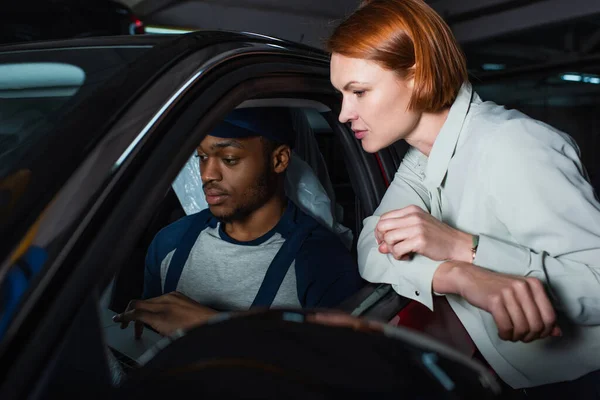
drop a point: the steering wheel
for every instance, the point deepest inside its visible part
(307, 354)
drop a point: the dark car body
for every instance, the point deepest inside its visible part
(88, 163)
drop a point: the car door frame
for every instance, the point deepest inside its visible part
(85, 267)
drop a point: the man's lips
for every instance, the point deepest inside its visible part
(214, 196)
(359, 134)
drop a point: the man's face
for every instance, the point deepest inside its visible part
(237, 176)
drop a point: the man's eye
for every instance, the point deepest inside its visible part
(202, 157)
(230, 161)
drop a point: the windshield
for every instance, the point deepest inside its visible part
(38, 86)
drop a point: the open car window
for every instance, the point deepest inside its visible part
(38, 86)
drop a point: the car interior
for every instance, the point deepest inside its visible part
(349, 187)
(317, 181)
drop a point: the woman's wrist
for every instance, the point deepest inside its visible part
(454, 277)
(446, 278)
(463, 250)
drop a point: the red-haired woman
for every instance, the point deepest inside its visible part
(489, 207)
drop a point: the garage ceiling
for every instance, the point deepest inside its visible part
(496, 34)
(471, 20)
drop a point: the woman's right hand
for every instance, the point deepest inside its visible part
(410, 230)
(519, 305)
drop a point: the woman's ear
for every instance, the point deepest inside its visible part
(281, 158)
(410, 76)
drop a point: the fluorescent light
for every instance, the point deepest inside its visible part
(585, 78)
(571, 77)
(493, 67)
(157, 30)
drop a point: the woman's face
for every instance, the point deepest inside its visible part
(375, 102)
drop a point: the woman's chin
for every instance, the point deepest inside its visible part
(369, 146)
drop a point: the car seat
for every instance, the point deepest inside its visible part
(186, 196)
(312, 193)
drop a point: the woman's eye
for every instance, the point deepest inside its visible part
(359, 93)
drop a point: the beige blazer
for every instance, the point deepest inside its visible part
(519, 184)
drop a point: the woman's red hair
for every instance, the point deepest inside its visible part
(400, 34)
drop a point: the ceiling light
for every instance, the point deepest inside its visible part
(493, 67)
(571, 77)
(157, 30)
(585, 78)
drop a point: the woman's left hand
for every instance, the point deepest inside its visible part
(412, 230)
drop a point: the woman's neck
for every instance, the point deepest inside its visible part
(427, 130)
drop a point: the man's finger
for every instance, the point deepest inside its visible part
(117, 318)
(144, 316)
(152, 303)
(139, 329)
(556, 332)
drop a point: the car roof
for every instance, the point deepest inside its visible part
(166, 51)
(152, 40)
(126, 40)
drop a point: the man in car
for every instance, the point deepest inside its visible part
(252, 247)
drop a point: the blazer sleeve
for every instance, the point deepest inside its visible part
(539, 191)
(413, 278)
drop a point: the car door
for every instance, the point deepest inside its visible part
(127, 170)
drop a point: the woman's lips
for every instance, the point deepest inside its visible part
(360, 134)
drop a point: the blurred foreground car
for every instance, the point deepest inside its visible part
(94, 133)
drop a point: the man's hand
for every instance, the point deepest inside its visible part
(412, 230)
(520, 306)
(165, 314)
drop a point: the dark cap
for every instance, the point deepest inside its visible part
(274, 123)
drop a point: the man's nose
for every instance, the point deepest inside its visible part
(347, 113)
(210, 171)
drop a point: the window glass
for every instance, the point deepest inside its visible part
(37, 86)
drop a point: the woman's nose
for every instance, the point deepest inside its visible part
(347, 113)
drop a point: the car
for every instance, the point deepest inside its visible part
(35, 20)
(94, 133)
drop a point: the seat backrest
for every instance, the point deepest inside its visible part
(307, 148)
